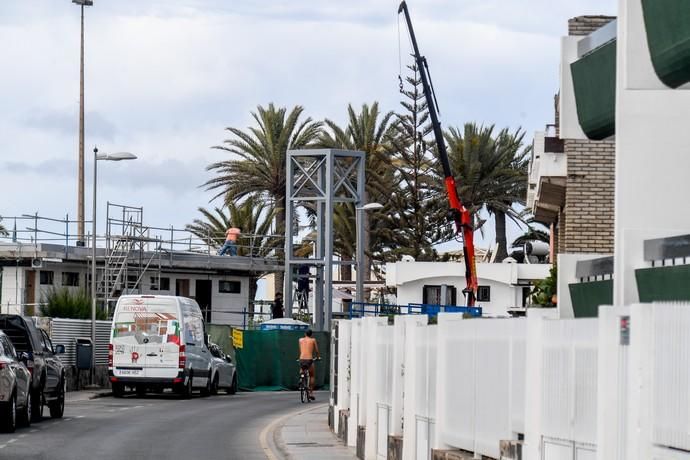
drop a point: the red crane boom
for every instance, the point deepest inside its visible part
(457, 213)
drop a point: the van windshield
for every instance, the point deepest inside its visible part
(146, 321)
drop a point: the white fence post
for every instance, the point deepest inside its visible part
(356, 370)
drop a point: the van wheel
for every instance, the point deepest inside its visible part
(187, 390)
(141, 391)
(233, 388)
(118, 389)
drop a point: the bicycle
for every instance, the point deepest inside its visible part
(303, 384)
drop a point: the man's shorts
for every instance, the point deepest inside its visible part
(305, 363)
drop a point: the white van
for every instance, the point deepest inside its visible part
(158, 342)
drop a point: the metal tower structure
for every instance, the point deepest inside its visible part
(317, 180)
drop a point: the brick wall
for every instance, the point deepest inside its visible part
(588, 219)
(585, 25)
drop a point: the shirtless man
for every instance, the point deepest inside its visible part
(308, 350)
(230, 245)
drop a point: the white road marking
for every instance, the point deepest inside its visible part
(80, 416)
(137, 407)
(33, 431)
(124, 408)
(22, 435)
(111, 410)
(12, 440)
(2, 446)
(66, 419)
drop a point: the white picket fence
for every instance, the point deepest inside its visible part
(613, 387)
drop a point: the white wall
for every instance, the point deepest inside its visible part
(569, 123)
(221, 303)
(12, 290)
(410, 278)
(652, 161)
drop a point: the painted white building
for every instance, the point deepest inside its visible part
(220, 284)
(502, 286)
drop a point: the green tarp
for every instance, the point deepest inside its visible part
(267, 360)
(663, 283)
(587, 297)
(594, 82)
(667, 23)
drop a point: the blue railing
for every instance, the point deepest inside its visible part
(359, 309)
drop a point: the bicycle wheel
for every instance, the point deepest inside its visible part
(304, 396)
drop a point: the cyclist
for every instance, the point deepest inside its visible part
(308, 351)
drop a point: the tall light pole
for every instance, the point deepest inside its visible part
(359, 288)
(80, 180)
(96, 158)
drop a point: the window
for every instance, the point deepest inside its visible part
(70, 279)
(229, 287)
(132, 281)
(164, 284)
(47, 277)
(431, 295)
(194, 331)
(484, 294)
(9, 349)
(47, 344)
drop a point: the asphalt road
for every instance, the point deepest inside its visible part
(154, 427)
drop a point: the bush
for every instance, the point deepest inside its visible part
(544, 292)
(67, 303)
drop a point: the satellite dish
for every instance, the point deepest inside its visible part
(407, 258)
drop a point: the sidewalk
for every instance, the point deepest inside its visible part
(84, 395)
(306, 436)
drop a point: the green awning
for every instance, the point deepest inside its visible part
(663, 283)
(668, 33)
(594, 81)
(587, 297)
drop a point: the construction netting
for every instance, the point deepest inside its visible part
(267, 360)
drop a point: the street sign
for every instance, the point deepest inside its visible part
(237, 338)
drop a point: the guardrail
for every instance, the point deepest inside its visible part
(361, 309)
(32, 230)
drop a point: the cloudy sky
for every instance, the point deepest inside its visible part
(165, 77)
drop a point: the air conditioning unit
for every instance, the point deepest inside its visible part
(36, 262)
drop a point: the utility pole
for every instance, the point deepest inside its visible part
(80, 179)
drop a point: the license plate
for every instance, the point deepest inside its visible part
(129, 371)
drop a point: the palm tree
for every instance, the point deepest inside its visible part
(3, 230)
(253, 217)
(258, 156)
(491, 172)
(367, 131)
(531, 234)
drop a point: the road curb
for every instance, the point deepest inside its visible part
(273, 447)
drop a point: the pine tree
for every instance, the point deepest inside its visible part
(418, 220)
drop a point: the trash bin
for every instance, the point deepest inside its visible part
(84, 348)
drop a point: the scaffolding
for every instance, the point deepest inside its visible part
(127, 257)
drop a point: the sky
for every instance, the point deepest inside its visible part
(164, 78)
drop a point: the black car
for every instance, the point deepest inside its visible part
(48, 373)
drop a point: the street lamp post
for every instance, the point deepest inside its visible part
(359, 288)
(96, 158)
(80, 178)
